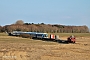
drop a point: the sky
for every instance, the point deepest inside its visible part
(64, 12)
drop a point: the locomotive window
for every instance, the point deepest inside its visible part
(39, 34)
(45, 35)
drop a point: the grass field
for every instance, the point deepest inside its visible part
(75, 34)
(17, 48)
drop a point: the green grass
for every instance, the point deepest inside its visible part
(5, 39)
(75, 34)
(3, 34)
(61, 34)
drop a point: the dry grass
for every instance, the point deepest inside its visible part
(17, 48)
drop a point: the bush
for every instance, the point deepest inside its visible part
(26, 36)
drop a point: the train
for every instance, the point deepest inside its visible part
(42, 36)
(33, 34)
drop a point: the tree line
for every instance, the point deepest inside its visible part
(41, 27)
(45, 28)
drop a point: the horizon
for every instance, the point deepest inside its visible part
(63, 12)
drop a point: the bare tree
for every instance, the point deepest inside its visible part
(19, 22)
(0, 28)
(44, 28)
